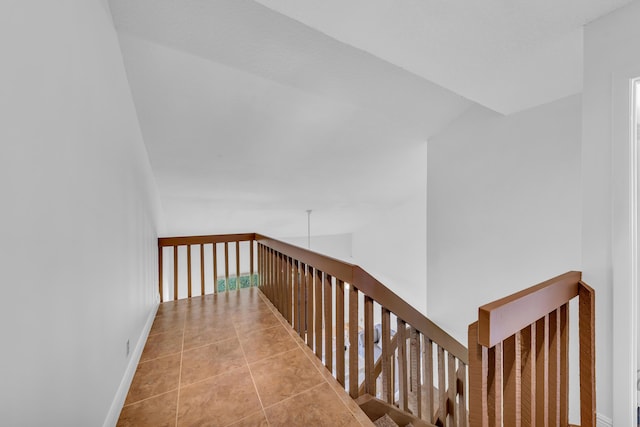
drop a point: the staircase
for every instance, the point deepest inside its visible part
(406, 371)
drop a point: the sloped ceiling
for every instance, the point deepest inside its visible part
(254, 111)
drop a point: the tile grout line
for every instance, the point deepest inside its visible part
(253, 381)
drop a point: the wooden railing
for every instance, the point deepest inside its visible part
(331, 304)
(213, 260)
(519, 356)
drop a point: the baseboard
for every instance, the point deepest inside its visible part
(602, 421)
(121, 394)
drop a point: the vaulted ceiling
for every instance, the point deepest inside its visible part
(254, 111)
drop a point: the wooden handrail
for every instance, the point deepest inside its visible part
(198, 240)
(502, 318)
(358, 277)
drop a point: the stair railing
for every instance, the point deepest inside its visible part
(519, 356)
(332, 306)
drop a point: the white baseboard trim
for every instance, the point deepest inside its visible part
(602, 421)
(123, 389)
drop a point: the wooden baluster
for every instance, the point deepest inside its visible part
(215, 268)
(402, 364)
(296, 296)
(528, 375)
(251, 284)
(278, 283)
(554, 369)
(290, 286)
(226, 266)
(237, 266)
(512, 380)
(340, 350)
(478, 376)
(309, 285)
(328, 323)
(286, 286)
(175, 273)
(353, 342)
(201, 269)
(369, 381)
(387, 384)
(427, 369)
(318, 312)
(189, 271)
(303, 301)
(494, 382)
(462, 394)
(542, 372)
(564, 364)
(442, 388)
(160, 281)
(586, 326)
(415, 395)
(452, 391)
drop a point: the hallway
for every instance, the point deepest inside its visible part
(231, 360)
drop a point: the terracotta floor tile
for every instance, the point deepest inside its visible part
(167, 322)
(262, 319)
(266, 342)
(154, 377)
(159, 411)
(207, 334)
(162, 344)
(213, 359)
(257, 419)
(318, 406)
(218, 401)
(284, 375)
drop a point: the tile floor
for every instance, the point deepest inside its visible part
(232, 360)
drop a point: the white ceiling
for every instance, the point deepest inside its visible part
(254, 111)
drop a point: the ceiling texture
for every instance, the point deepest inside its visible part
(255, 111)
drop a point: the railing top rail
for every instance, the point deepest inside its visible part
(502, 318)
(370, 286)
(197, 240)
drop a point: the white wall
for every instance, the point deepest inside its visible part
(393, 248)
(503, 207)
(611, 46)
(78, 215)
(333, 245)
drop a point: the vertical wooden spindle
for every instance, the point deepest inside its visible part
(189, 271)
(328, 323)
(494, 383)
(542, 371)
(387, 384)
(237, 266)
(478, 377)
(512, 380)
(554, 369)
(353, 342)
(309, 291)
(226, 266)
(586, 326)
(201, 269)
(564, 364)
(442, 387)
(175, 273)
(452, 390)
(369, 381)
(215, 268)
(528, 375)
(318, 312)
(251, 244)
(427, 369)
(402, 365)
(340, 350)
(160, 280)
(415, 396)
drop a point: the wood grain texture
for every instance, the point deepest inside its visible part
(427, 369)
(296, 296)
(478, 376)
(512, 380)
(500, 319)
(564, 364)
(452, 391)
(542, 371)
(387, 384)
(189, 271)
(586, 326)
(415, 382)
(353, 342)
(462, 395)
(237, 265)
(494, 385)
(442, 388)
(328, 322)
(554, 369)
(196, 240)
(160, 278)
(251, 262)
(402, 365)
(317, 284)
(309, 290)
(215, 268)
(340, 349)
(201, 268)
(226, 266)
(175, 273)
(369, 380)
(528, 375)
